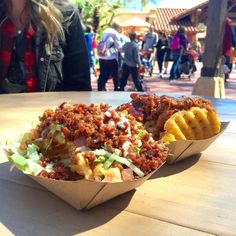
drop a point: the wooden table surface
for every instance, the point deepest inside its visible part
(194, 197)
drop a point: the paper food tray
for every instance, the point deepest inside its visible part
(183, 149)
(85, 194)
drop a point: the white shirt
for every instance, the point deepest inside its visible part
(113, 41)
(150, 40)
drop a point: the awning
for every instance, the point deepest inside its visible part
(135, 22)
(164, 20)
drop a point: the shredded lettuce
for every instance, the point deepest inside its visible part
(114, 157)
(137, 149)
(28, 166)
(32, 152)
(11, 145)
(109, 161)
(100, 152)
(18, 160)
(56, 127)
(27, 161)
(100, 159)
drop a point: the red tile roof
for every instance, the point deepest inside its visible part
(188, 12)
(164, 20)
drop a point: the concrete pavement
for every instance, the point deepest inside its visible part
(182, 87)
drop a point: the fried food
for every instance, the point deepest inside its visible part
(93, 142)
(154, 112)
(193, 124)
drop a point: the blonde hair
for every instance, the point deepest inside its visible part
(53, 17)
(47, 14)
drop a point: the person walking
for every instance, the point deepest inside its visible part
(108, 62)
(161, 50)
(89, 36)
(131, 63)
(42, 47)
(178, 47)
(150, 40)
(168, 56)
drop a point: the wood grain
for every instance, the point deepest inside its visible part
(194, 197)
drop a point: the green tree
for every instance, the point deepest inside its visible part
(143, 3)
(100, 13)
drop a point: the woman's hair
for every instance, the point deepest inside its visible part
(181, 30)
(88, 28)
(163, 34)
(132, 36)
(48, 14)
(51, 16)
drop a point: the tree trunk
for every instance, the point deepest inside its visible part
(209, 84)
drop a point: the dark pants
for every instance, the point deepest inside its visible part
(227, 63)
(174, 72)
(108, 68)
(126, 71)
(160, 59)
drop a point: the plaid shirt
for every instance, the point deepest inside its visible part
(17, 56)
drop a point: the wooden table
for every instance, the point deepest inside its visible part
(194, 197)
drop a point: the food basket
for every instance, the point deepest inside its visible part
(180, 150)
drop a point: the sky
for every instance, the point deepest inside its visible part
(178, 3)
(136, 5)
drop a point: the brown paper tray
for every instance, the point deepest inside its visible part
(183, 149)
(85, 194)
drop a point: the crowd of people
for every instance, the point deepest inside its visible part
(140, 53)
(45, 47)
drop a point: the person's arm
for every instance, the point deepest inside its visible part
(76, 61)
(159, 45)
(136, 56)
(117, 42)
(155, 39)
(187, 43)
(166, 43)
(94, 46)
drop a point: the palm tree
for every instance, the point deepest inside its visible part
(100, 13)
(145, 2)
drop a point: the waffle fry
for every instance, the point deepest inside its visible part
(193, 124)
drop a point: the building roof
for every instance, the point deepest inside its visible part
(189, 11)
(231, 5)
(164, 20)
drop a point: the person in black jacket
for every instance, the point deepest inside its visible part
(42, 47)
(161, 51)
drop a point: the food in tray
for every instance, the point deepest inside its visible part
(193, 124)
(171, 119)
(94, 142)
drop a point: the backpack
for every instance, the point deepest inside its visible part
(102, 48)
(175, 43)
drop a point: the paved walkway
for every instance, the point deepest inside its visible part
(182, 87)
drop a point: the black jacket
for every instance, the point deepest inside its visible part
(161, 46)
(67, 67)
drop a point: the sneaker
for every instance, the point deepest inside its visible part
(172, 80)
